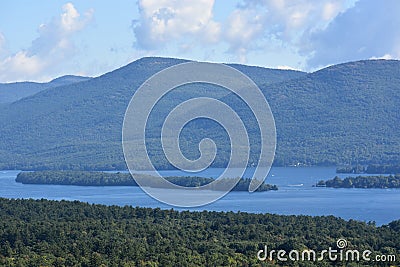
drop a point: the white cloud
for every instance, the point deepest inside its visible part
(285, 67)
(70, 18)
(385, 56)
(330, 10)
(323, 32)
(253, 25)
(50, 51)
(241, 32)
(163, 21)
(276, 24)
(21, 63)
(370, 29)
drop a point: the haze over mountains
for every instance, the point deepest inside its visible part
(343, 114)
(11, 92)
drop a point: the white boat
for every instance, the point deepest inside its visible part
(295, 185)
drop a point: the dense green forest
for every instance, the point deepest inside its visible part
(391, 181)
(384, 169)
(351, 169)
(50, 233)
(345, 114)
(86, 178)
(370, 169)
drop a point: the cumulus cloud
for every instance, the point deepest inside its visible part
(163, 21)
(254, 24)
(370, 29)
(242, 31)
(47, 52)
(276, 24)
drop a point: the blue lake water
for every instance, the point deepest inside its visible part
(296, 195)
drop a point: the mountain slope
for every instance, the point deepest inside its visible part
(342, 114)
(11, 92)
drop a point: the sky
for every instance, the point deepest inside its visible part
(42, 40)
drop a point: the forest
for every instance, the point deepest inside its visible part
(351, 169)
(384, 169)
(391, 181)
(62, 233)
(370, 169)
(86, 178)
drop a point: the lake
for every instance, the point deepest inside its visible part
(296, 195)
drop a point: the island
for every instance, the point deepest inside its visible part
(91, 178)
(391, 181)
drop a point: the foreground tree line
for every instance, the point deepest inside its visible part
(86, 178)
(391, 181)
(52, 233)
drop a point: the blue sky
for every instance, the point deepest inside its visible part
(41, 40)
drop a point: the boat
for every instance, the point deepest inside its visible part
(295, 185)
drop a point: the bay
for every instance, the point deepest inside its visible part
(296, 195)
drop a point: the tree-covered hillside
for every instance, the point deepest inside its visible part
(344, 114)
(79, 126)
(50, 233)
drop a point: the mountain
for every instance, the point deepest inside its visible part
(11, 92)
(343, 114)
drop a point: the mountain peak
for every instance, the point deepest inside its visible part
(363, 64)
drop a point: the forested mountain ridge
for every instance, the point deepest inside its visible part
(79, 126)
(342, 114)
(11, 92)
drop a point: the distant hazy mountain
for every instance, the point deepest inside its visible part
(346, 113)
(11, 92)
